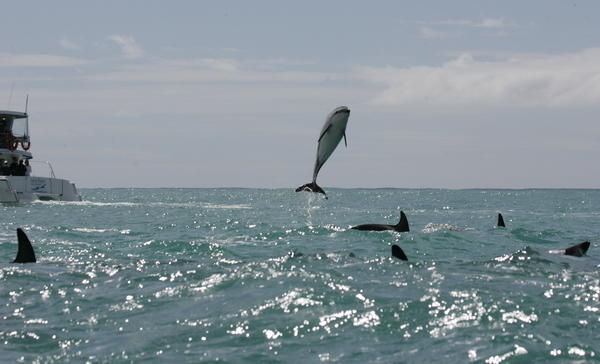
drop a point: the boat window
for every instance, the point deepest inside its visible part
(4, 124)
(19, 128)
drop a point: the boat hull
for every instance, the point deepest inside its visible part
(30, 188)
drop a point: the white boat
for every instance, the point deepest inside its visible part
(20, 181)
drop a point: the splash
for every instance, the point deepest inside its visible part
(310, 200)
(432, 228)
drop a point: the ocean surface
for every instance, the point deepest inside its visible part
(260, 276)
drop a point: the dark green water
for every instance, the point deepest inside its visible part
(245, 275)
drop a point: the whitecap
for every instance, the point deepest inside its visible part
(432, 228)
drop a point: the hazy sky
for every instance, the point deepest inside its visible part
(453, 94)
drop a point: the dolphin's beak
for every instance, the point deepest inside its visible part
(342, 111)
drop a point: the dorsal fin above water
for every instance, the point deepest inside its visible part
(578, 250)
(501, 221)
(403, 223)
(398, 253)
(25, 253)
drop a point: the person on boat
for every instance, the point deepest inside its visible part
(21, 169)
(4, 169)
(14, 168)
(27, 168)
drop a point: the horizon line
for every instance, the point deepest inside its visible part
(355, 188)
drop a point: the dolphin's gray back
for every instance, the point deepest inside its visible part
(332, 133)
(373, 227)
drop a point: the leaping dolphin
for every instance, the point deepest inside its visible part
(25, 252)
(578, 250)
(331, 135)
(401, 227)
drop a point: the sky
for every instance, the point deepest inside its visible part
(443, 94)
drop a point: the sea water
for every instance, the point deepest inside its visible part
(253, 275)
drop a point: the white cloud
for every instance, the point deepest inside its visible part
(128, 45)
(483, 23)
(68, 44)
(218, 70)
(567, 80)
(216, 64)
(452, 28)
(491, 23)
(38, 60)
(430, 33)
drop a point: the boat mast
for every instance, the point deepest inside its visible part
(26, 136)
(12, 88)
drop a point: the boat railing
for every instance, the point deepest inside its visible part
(11, 141)
(39, 163)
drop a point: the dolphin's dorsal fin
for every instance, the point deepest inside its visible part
(501, 221)
(398, 253)
(324, 132)
(578, 250)
(345, 141)
(403, 223)
(25, 253)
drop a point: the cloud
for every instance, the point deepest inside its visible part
(216, 64)
(430, 33)
(129, 47)
(231, 49)
(205, 86)
(68, 44)
(542, 81)
(453, 28)
(483, 23)
(38, 60)
(218, 70)
(491, 23)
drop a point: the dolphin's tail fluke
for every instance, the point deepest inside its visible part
(398, 253)
(402, 225)
(578, 250)
(501, 221)
(311, 187)
(25, 253)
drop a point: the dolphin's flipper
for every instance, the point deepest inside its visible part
(324, 132)
(403, 223)
(501, 221)
(345, 141)
(25, 253)
(578, 250)
(398, 253)
(311, 187)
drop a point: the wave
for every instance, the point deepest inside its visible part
(432, 228)
(206, 205)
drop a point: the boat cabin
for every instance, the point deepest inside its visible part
(14, 133)
(14, 130)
